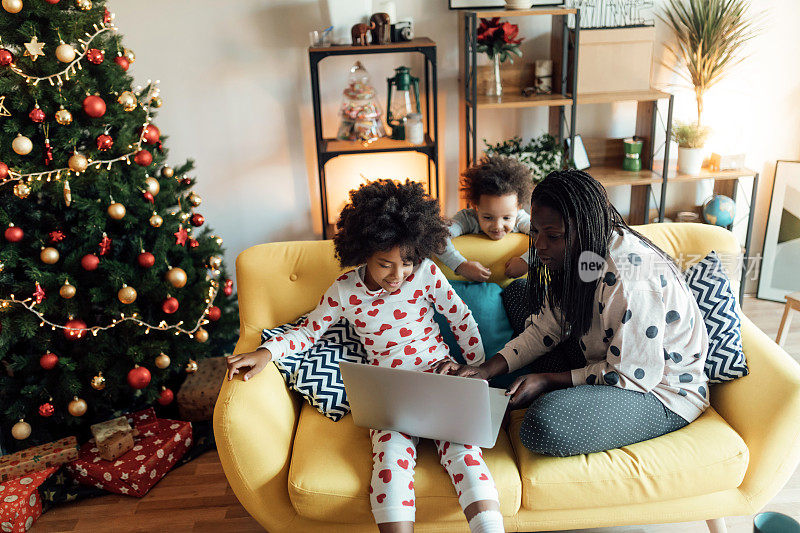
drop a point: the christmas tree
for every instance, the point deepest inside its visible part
(111, 285)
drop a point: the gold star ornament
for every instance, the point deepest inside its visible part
(3, 111)
(33, 49)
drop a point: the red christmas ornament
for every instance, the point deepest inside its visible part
(75, 329)
(90, 262)
(197, 220)
(170, 305)
(94, 106)
(143, 158)
(48, 361)
(38, 294)
(180, 236)
(3, 171)
(104, 244)
(53, 2)
(146, 259)
(56, 236)
(48, 152)
(194, 243)
(149, 197)
(46, 409)
(6, 57)
(95, 56)
(123, 62)
(228, 289)
(138, 377)
(214, 313)
(166, 396)
(151, 134)
(13, 234)
(186, 181)
(104, 142)
(36, 115)
(106, 15)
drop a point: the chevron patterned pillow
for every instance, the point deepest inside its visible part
(315, 373)
(712, 290)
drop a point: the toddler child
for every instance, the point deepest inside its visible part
(387, 232)
(494, 188)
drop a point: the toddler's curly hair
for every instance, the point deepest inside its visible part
(496, 175)
(384, 214)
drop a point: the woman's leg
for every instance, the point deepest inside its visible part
(391, 491)
(594, 418)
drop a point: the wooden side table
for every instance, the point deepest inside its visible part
(792, 302)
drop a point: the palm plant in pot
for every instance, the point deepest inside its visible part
(710, 37)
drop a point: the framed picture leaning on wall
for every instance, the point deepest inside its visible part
(782, 241)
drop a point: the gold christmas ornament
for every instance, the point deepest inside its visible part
(98, 382)
(77, 163)
(162, 361)
(22, 145)
(116, 211)
(195, 199)
(12, 6)
(214, 262)
(152, 186)
(201, 335)
(63, 116)
(33, 49)
(156, 102)
(129, 55)
(67, 193)
(49, 255)
(177, 277)
(67, 291)
(126, 295)
(167, 172)
(191, 366)
(84, 5)
(65, 53)
(128, 101)
(21, 430)
(77, 407)
(21, 190)
(156, 220)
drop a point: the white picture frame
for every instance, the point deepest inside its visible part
(580, 157)
(778, 276)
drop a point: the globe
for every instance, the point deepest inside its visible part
(719, 210)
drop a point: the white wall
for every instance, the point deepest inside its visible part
(235, 82)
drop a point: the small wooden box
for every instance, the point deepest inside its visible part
(615, 59)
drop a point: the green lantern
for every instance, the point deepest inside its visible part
(403, 102)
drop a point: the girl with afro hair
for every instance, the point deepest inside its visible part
(387, 232)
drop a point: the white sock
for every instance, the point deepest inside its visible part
(487, 522)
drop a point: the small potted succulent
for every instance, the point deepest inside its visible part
(691, 138)
(498, 40)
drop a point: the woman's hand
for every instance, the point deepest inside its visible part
(526, 389)
(452, 368)
(473, 271)
(256, 361)
(516, 267)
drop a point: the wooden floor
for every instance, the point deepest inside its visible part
(196, 496)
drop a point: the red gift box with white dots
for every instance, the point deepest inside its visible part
(154, 453)
(20, 503)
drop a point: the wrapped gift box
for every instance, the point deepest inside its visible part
(138, 470)
(20, 504)
(143, 421)
(113, 437)
(198, 394)
(38, 458)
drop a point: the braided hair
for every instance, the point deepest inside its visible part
(589, 221)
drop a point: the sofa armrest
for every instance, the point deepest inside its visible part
(764, 408)
(254, 426)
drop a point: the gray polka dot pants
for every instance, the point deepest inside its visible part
(590, 418)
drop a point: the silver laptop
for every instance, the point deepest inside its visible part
(456, 409)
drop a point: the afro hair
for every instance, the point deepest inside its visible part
(496, 175)
(384, 214)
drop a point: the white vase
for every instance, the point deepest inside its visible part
(494, 86)
(518, 4)
(690, 160)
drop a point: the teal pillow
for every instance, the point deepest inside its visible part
(483, 299)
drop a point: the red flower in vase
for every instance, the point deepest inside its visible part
(510, 32)
(497, 38)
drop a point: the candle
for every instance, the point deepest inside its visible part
(543, 76)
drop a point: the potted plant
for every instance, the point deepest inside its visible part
(710, 37)
(498, 40)
(690, 138)
(542, 155)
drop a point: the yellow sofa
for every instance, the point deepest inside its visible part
(295, 470)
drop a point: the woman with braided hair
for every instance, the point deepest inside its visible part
(593, 281)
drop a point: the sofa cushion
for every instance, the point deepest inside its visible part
(704, 457)
(331, 467)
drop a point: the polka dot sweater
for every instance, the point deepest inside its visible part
(397, 329)
(647, 333)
